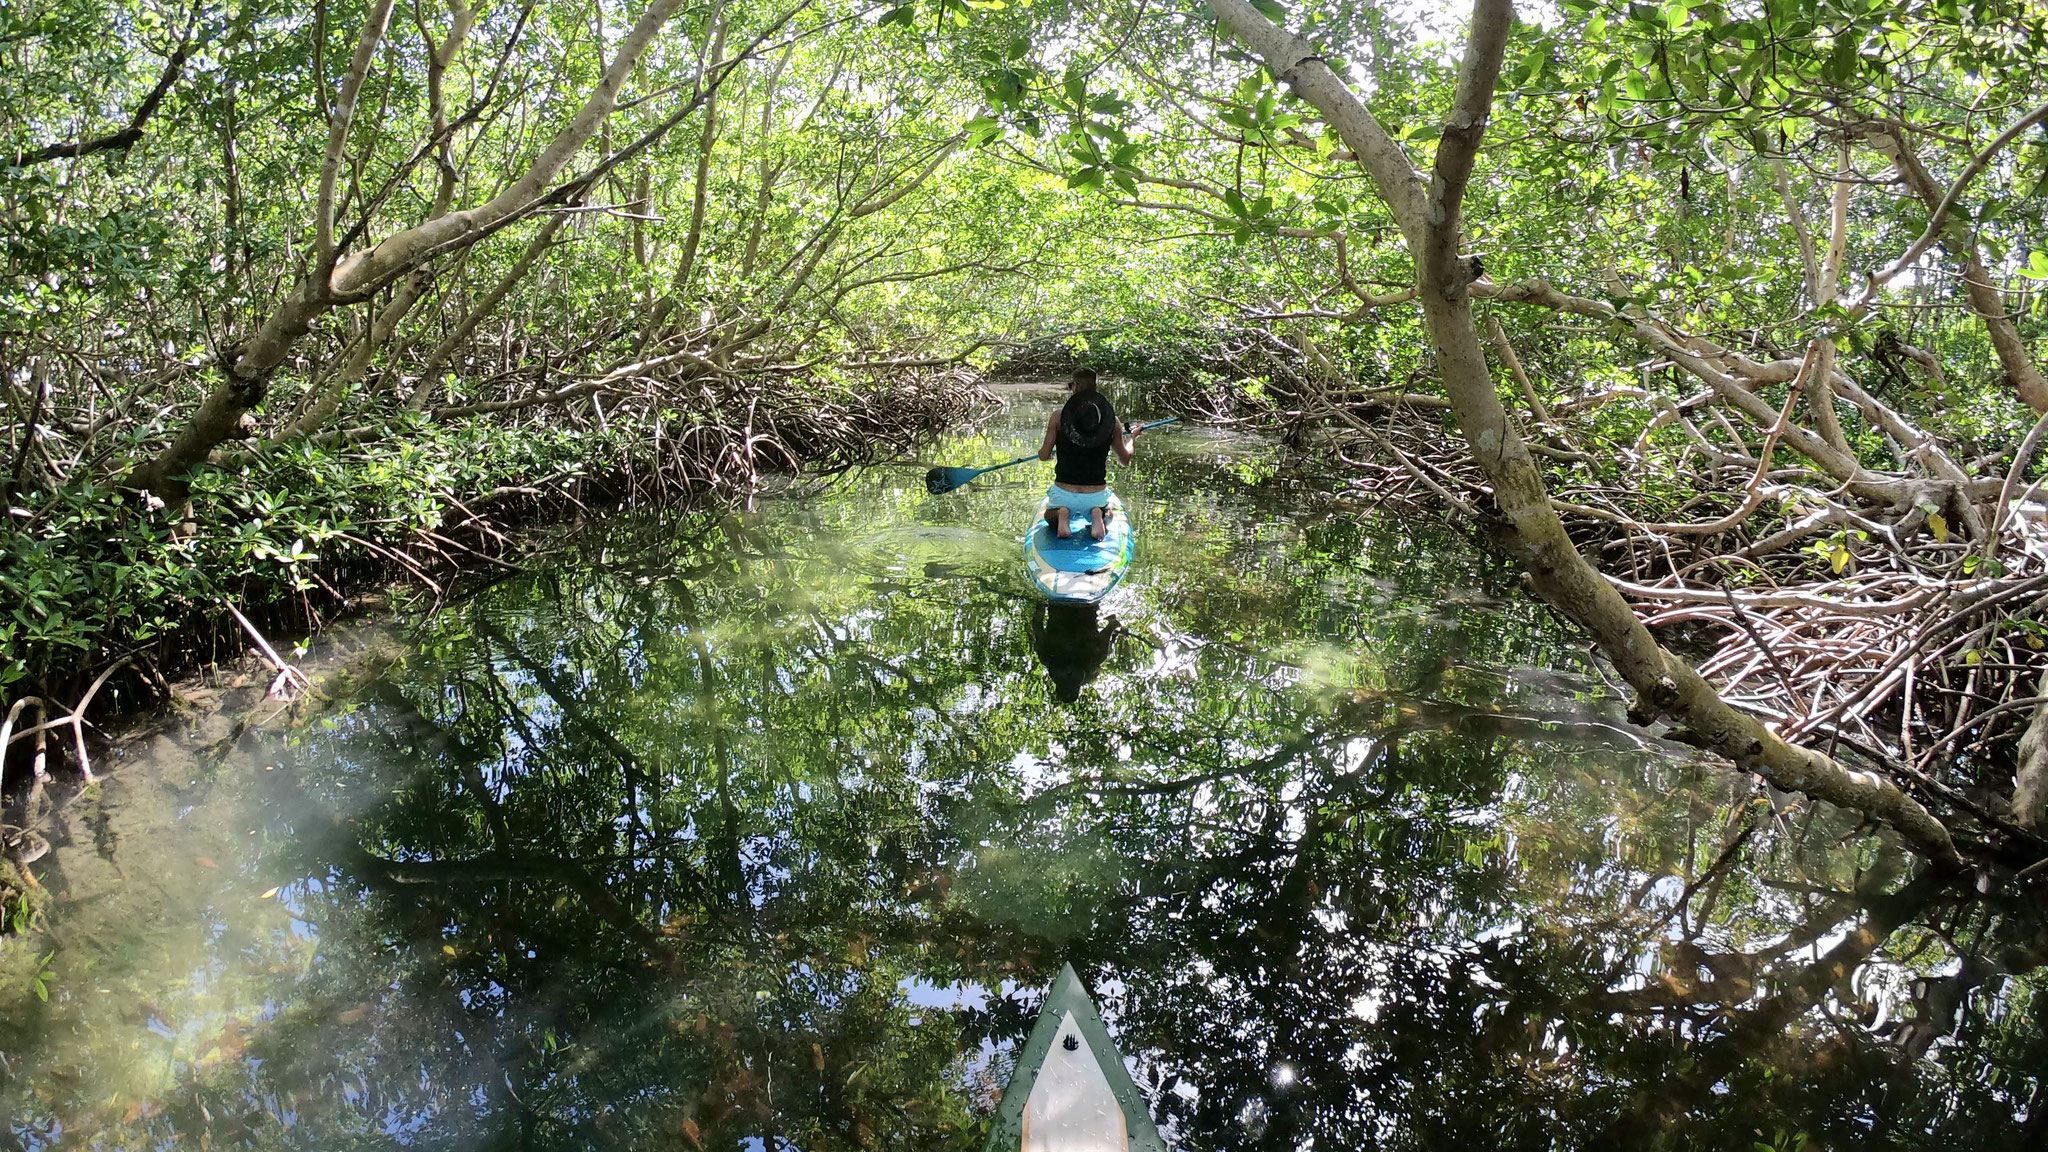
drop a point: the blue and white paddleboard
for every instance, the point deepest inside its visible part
(1079, 570)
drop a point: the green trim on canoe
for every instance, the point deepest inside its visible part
(1070, 998)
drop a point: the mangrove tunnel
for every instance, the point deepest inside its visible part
(1041, 575)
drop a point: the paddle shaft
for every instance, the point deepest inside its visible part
(1006, 464)
(954, 478)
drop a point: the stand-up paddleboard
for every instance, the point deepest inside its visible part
(1070, 1091)
(1081, 569)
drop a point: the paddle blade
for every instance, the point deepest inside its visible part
(939, 481)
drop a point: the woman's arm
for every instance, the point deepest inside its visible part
(1124, 446)
(1052, 437)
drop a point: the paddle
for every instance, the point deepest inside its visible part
(940, 481)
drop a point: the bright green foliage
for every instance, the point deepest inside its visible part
(839, 225)
(90, 573)
(1630, 160)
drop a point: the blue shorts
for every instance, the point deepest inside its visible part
(1081, 502)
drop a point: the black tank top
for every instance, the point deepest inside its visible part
(1087, 429)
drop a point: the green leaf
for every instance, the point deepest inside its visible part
(1271, 10)
(1841, 63)
(2037, 266)
(981, 130)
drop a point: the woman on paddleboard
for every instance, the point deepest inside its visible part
(1083, 433)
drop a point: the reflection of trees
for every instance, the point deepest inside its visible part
(646, 851)
(1292, 887)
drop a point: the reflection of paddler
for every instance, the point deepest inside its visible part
(1071, 645)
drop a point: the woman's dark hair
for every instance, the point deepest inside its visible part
(1084, 379)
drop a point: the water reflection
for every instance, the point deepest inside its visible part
(1072, 643)
(743, 834)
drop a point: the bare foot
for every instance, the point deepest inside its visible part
(1096, 527)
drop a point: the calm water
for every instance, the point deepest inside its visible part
(766, 832)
